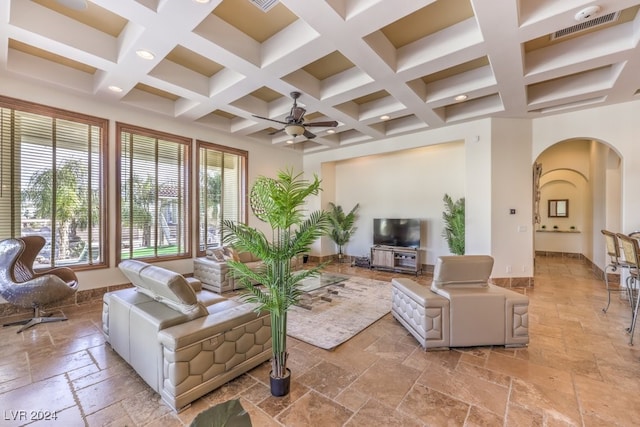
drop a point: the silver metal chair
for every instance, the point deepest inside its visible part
(616, 261)
(631, 250)
(22, 286)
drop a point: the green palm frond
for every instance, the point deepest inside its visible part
(342, 224)
(280, 203)
(454, 220)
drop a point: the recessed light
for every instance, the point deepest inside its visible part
(460, 98)
(385, 117)
(145, 54)
(202, 1)
(114, 88)
(290, 141)
(331, 131)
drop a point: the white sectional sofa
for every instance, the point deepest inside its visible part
(182, 340)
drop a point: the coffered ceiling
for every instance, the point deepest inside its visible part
(220, 63)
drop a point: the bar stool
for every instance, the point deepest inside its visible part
(616, 261)
(631, 250)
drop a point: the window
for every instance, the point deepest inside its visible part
(52, 182)
(153, 180)
(221, 191)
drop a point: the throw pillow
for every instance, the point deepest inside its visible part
(216, 255)
(231, 254)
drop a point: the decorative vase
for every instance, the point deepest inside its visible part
(280, 386)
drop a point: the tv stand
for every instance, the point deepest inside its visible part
(395, 258)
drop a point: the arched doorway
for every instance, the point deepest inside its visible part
(587, 175)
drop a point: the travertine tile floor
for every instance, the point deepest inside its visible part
(578, 370)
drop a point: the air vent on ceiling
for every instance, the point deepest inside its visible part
(601, 20)
(264, 5)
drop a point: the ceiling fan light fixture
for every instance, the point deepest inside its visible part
(294, 130)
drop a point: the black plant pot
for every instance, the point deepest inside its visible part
(280, 386)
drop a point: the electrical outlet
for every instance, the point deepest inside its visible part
(508, 269)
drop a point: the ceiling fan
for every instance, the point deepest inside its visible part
(295, 124)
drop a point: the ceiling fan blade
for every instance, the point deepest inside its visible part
(271, 120)
(323, 124)
(297, 113)
(275, 131)
(308, 134)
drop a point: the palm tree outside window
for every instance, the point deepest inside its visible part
(52, 182)
(154, 199)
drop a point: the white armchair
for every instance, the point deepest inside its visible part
(461, 309)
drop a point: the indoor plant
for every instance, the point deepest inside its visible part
(453, 216)
(279, 202)
(342, 225)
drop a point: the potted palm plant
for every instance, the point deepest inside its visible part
(342, 225)
(454, 229)
(279, 202)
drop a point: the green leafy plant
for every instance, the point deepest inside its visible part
(453, 216)
(279, 202)
(342, 225)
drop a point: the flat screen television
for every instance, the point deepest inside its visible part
(403, 232)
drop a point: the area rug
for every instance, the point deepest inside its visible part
(357, 305)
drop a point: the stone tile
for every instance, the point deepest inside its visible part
(327, 378)
(375, 412)
(469, 385)
(433, 407)
(315, 409)
(538, 374)
(144, 407)
(112, 390)
(55, 390)
(517, 416)
(42, 368)
(479, 417)
(577, 370)
(390, 387)
(608, 402)
(554, 405)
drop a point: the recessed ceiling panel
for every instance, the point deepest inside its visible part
(191, 60)
(252, 21)
(43, 54)
(93, 16)
(328, 66)
(428, 20)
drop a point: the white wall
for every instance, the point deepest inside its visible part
(511, 188)
(263, 160)
(403, 184)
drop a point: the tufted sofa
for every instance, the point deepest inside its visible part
(184, 341)
(215, 274)
(461, 309)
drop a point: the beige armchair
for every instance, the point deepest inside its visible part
(22, 286)
(461, 309)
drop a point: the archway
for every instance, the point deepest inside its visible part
(586, 173)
